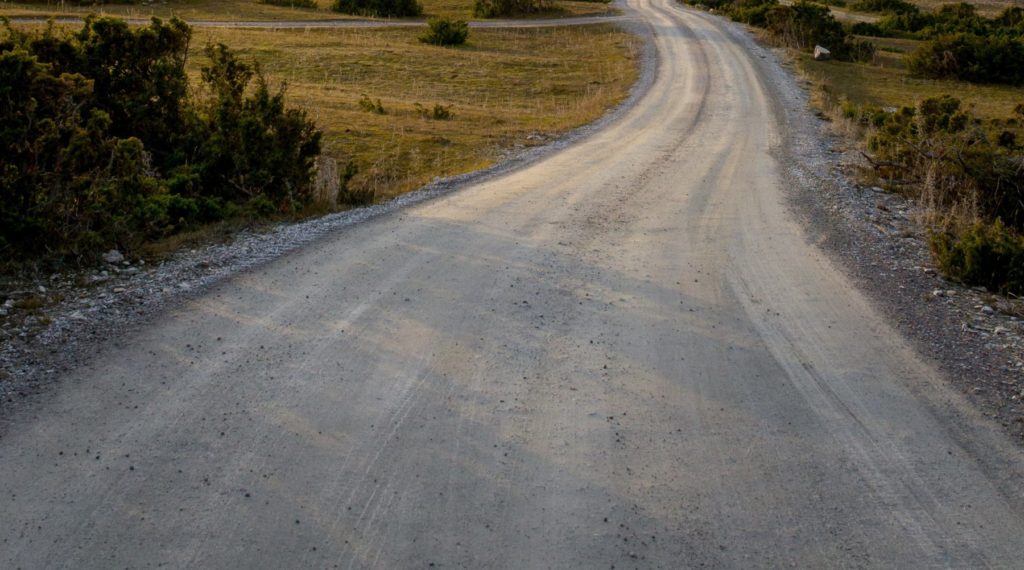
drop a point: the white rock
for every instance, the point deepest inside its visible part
(938, 293)
(113, 256)
(42, 289)
(821, 53)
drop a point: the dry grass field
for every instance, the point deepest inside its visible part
(505, 89)
(254, 10)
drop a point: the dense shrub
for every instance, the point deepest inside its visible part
(804, 25)
(972, 58)
(253, 146)
(378, 8)
(105, 146)
(753, 12)
(884, 6)
(957, 160)
(984, 254)
(500, 8)
(445, 32)
(969, 175)
(953, 19)
(291, 3)
(801, 25)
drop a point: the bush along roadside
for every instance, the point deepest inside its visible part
(107, 147)
(968, 174)
(801, 25)
(960, 43)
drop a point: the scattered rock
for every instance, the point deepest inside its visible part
(113, 257)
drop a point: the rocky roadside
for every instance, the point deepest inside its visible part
(974, 337)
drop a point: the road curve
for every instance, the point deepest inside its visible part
(625, 355)
(340, 23)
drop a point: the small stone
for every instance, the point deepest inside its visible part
(113, 257)
(42, 289)
(119, 289)
(938, 293)
(822, 54)
(988, 310)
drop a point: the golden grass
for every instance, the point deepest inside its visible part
(254, 10)
(504, 88)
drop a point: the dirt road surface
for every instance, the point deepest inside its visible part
(625, 355)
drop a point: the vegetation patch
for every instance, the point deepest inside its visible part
(108, 147)
(435, 112)
(445, 32)
(961, 157)
(235, 10)
(801, 25)
(378, 8)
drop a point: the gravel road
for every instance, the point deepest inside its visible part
(626, 354)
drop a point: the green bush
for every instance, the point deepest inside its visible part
(501, 8)
(885, 6)
(801, 25)
(985, 254)
(291, 3)
(940, 143)
(378, 8)
(968, 57)
(368, 105)
(952, 19)
(106, 147)
(445, 32)
(253, 146)
(438, 113)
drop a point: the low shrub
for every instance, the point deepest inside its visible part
(291, 3)
(503, 8)
(986, 254)
(801, 25)
(968, 57)
(885, 6)
(378, 8)
(105, 144)
(445, 32)
(439, 112)
(370, 106)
